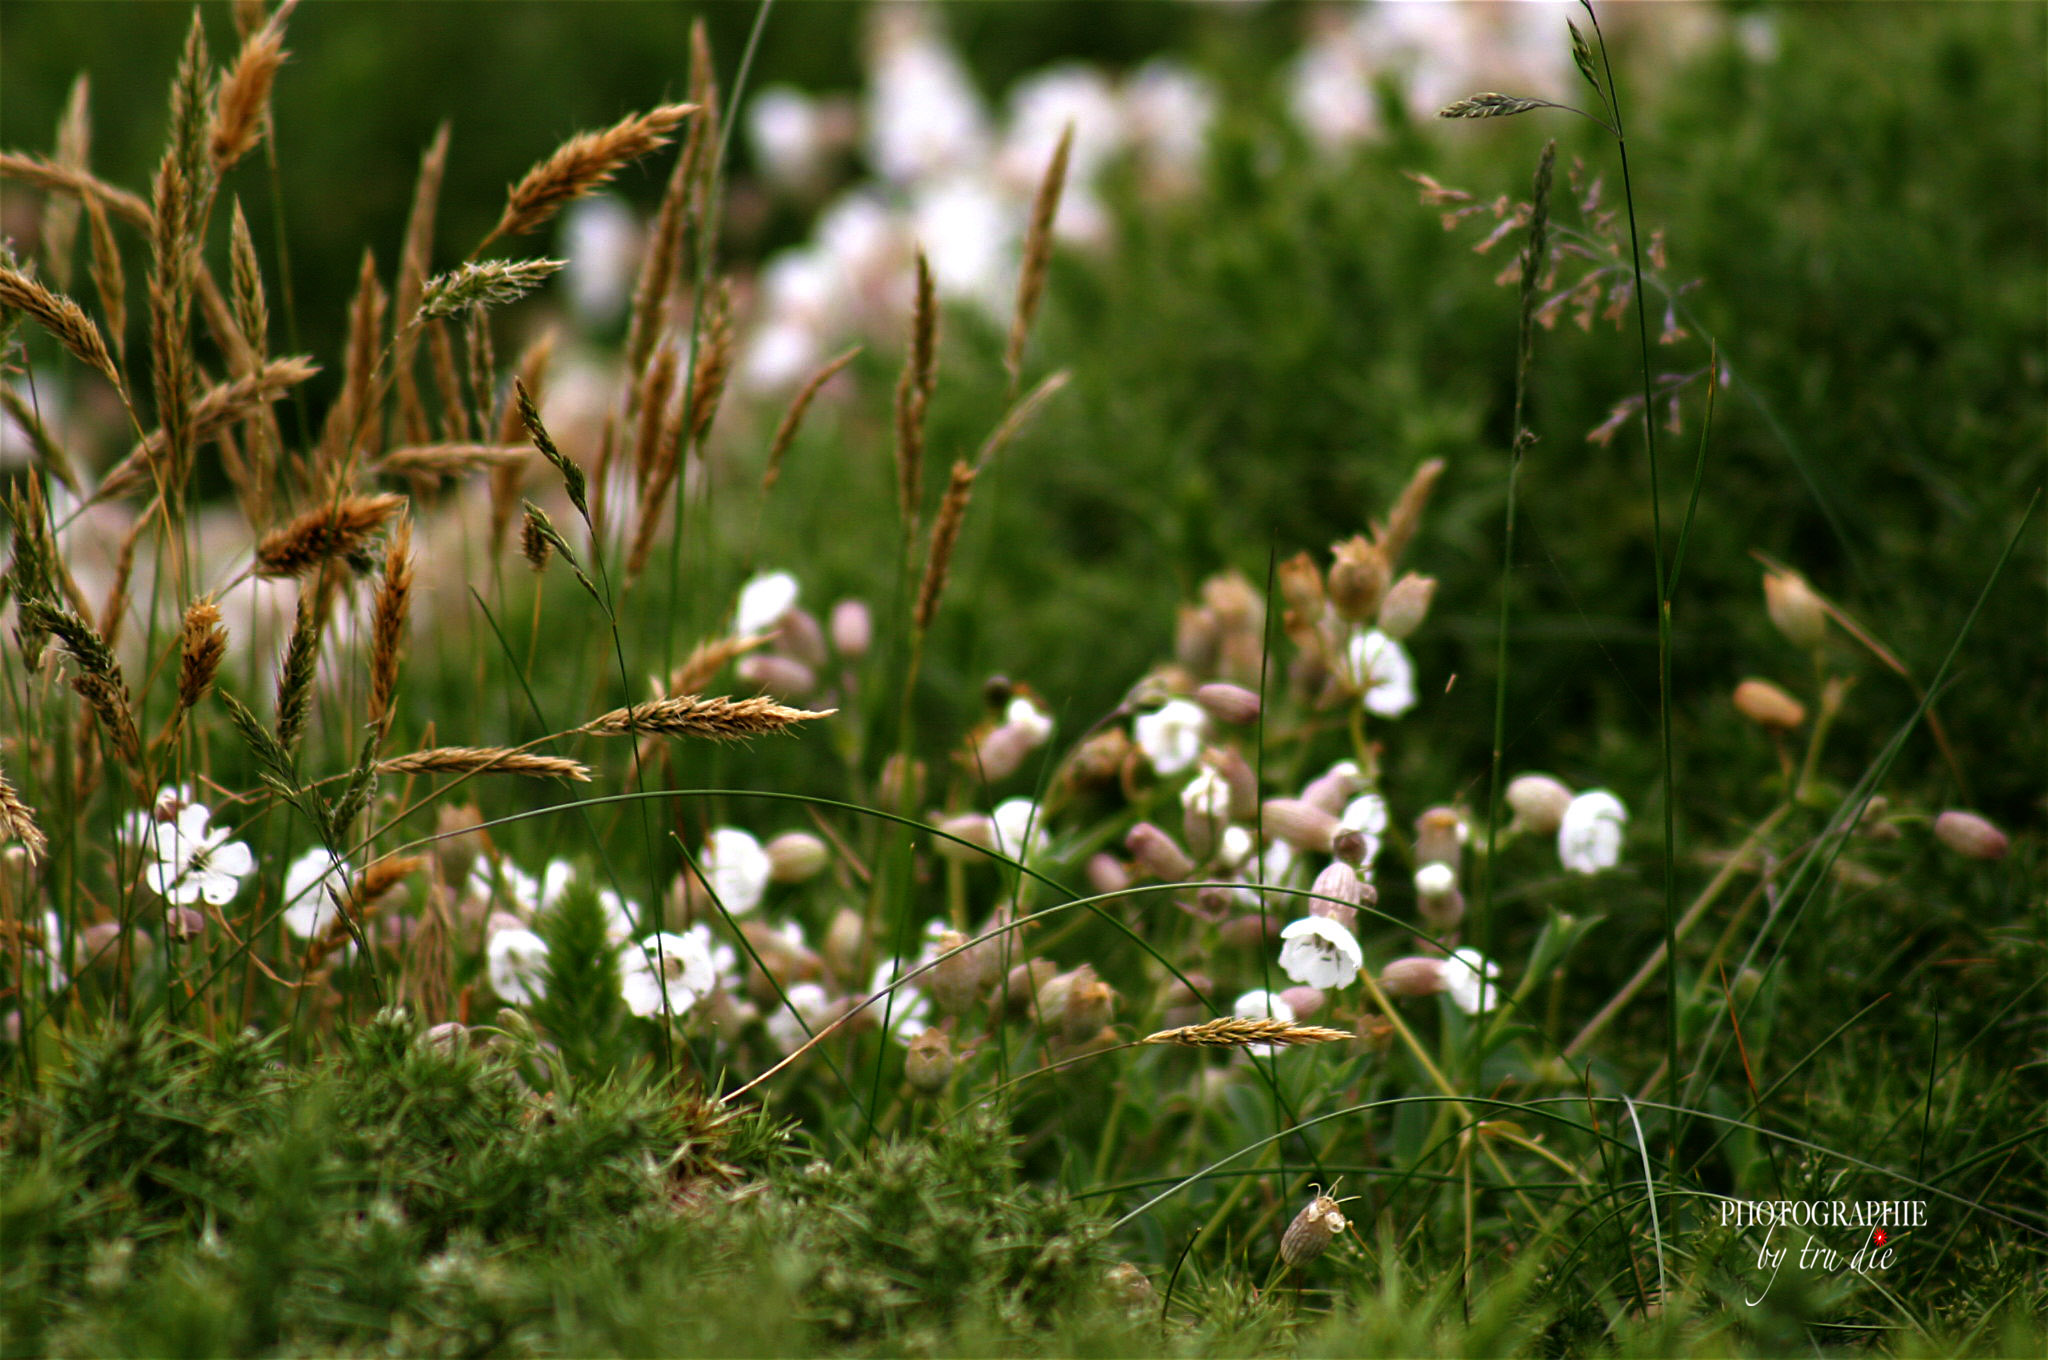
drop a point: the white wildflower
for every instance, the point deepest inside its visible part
(1207, 796)
(736, 868)
(1367, 815)
(763, 602)
(1321, 953)
(1027, 717)
(1019, 828)
(667, 972)
(194, 860)
(517, 962)
(315, 886)
(1171, 738)
(1589, 837)
(1379, 667)
(811, 1005)
(908, 1009)
(1464, 983)
(1263, 1005)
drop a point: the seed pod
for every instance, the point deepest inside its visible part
(1968, 834)
(845, 939)
(1340, 881)
(1796, 611)
(1769, 707)
(1406, 605)
(1300, 823)
(1228, 703)
(1539, 803)
(1439, 837)
(1022, 985)
(795, 856)
(956, 982)
(1301, 586)
(928, 1066)
(1158, 854)
(1308, 1236)
(1358, 579)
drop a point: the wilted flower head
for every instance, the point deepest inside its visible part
(763, 602)
(667, 972)
(1171, 738)
(193, 859)
(315, 886)
(1589, 835)
(736, 869)
(1310, 1234)
(1318, 951)
(517, 962)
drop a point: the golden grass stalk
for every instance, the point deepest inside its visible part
(202, 645)
(482, 283)
(454, 405)
(242, 104)
(348, 420)
(1045, 207)
(52, 177)
(913, 397)
(220, 320)
(707, 659)
(323, 533)
(658, 267)
(245, 279)
(170, 316)
(99, 681)
(1019, 416)
(363, 900)
(714, 366)
(116, 607)
(295, 676)
(213, 413)
(691, 716)
(534, 543)
(484, 760)
(945, 535)
(449, 460)
(387, 627)
(1231, 1032)
(64, 319)
(74, 150)
(581, 164)
(513, 426)
(109, 279)
(793, 418)
(1407, 512)
(651, 411)
(18, 822)
(413, 262)
(43, 448)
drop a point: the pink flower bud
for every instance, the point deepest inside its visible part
(1769, 707)
(1107, 874)
(1227, 703)
(1406, 605)
(1303, 1001)
(783, 676)
(799, 635)
(1968, 834)
(1300, 823)
(852, 629)
(795, 856)
(1796, 611)
(1157, 854)
(1413, 977)
(976, 829)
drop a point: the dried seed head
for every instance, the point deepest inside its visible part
(200, 650)
(1406, 605)
(928, 1066)
(1358, 579)
(1022, 985)
(1769, 707)
(1796, 611)
(1308, 1236)
(958, 980)
(1539, 803)
(1968, 834)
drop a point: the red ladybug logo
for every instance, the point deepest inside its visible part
(1879, 1237)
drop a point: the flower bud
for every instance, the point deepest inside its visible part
(901, 784)
(1769, 707)
(957, 980)
(1333, 791)
(996, 754)
(1439, 837)
(1413, 977)
(1406, 605)
(453, 853)
(795, 856)
(845, 940)
(1358, 579)
(1099, 759)
(1350, 846)
(184, 923)
(1196, 636)
(1308, 1236)
(1304, 1001)
(1075, 1005)
(853, 630)
(1157, 854)
(1796, 611)
(1228, 703)
(1968, 834)
(966, 837)
(1107, 874)
(1301, 586)
(1437, 899)
(1022, 985)
(1300, 823)
(1242, 781)
(1539, 803)
(928, 1066)
(801, 638)
(1250, 931)
(1340, 881)
(783, 676)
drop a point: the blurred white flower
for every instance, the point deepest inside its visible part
(1025, 715)
(763, 602)
(1589, 837)
(1380, 668)
(908, 1009)
(507, 885)
(193, 859)
(923, 115)
(736, 868)
(1020, 830)
(1464, 984)
(622, 915)
(1321, 953)
(601, 238)
(667, 972)
(1169, 109)
(1273, 869)
(1367, 815)
(1329, 91)
(968, 233)
(812, 1003)
(1434, 880)
(1171, 737)
(786, 130)
(1207, 796)
(315, 886)
(1263, 1005)
(517, 963)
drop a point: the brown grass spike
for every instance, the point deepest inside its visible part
(387, 628)
(323, 533)
(1045, 207)
(581, 164)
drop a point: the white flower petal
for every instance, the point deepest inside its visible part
(1318, 951)
(1589, 837)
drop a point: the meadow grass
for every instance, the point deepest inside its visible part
(468, 891)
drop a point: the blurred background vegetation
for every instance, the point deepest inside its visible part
(1260, 364)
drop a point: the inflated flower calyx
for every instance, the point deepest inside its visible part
(1358, 579)
(1310, 1234)
(1406, 605)
(1769, 707)
(1968, 834)
(1539, 803)
(928, 1065)
(1795, 610)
